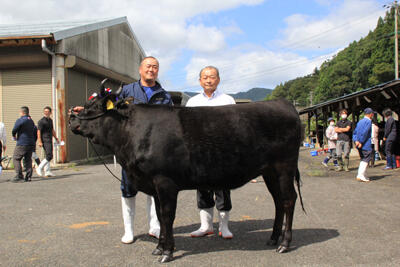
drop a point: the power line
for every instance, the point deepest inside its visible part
(289, 47)
(265, 72)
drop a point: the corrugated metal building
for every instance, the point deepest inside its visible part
(60, 64)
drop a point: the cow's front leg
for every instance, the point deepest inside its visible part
(167, 194)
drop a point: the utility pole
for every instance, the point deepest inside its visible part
(395, 6)
(311, 98)
(396, 43)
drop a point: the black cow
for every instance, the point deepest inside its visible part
(168, 149)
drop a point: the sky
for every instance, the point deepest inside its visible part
(253, 43)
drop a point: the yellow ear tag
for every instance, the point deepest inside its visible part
(110, 105)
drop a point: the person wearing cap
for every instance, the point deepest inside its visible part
(362, 140)
(390, 138)
(343, 129)
(331, 135)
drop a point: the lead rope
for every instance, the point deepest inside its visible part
(90, 141)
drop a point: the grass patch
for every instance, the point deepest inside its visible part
(316, 173)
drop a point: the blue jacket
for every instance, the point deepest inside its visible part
(25, 131)
(135, 90)
(362, 134)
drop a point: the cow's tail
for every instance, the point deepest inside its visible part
(298, 182)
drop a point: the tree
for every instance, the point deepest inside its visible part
(361, 65)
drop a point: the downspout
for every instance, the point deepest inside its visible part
(53, 90)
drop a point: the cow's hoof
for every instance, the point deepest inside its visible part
(166, 258)
(282, 249)
(157, 252)
(272, 242)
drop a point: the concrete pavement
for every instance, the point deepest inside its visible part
(75, 219)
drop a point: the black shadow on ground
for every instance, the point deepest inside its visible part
(377, 177)
(40, 179)
(248, 235)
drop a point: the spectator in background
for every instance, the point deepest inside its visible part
(343, 129)
(24, 132)
(389, 138)
(209, 80)
(362, 139)
(2, 140)
(374, 140)
(45, 135)
(331, 135)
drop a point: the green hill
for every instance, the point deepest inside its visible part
(363, 64)
(254, 94)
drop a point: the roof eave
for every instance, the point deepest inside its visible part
(12, 41)
(63, 34)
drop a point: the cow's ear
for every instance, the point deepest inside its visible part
(109, 102)
(123, 103)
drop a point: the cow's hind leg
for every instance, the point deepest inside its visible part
(161, 239)
(166, 198)
(271, 180)
(282, 189)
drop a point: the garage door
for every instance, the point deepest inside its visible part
(24, 87)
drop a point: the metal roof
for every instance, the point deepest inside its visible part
(59, 29)
(367, 91)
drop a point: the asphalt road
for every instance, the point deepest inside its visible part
(75, 219)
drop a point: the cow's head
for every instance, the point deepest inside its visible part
(88, 121)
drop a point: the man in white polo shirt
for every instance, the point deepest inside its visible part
(209, 80)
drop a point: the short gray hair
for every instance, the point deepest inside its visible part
(209, 67)
(141, 62)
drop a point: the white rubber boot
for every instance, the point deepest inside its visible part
(154, 224)
(223, 225)
(39, 170)
(361, 172)
(47, 171)
(128, 214)
(206, 227)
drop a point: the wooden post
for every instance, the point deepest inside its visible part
(324, 126)
(316, 127)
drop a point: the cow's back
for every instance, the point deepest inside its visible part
(239, 140)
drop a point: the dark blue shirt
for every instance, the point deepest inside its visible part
(149, 91)
(25, 131)
(137, 91)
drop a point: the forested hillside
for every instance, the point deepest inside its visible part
(364, 63)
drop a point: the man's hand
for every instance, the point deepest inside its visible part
(384, 138)
(40, 144)
(77, 109)
(358, 144)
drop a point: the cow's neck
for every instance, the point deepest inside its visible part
(114, 134)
